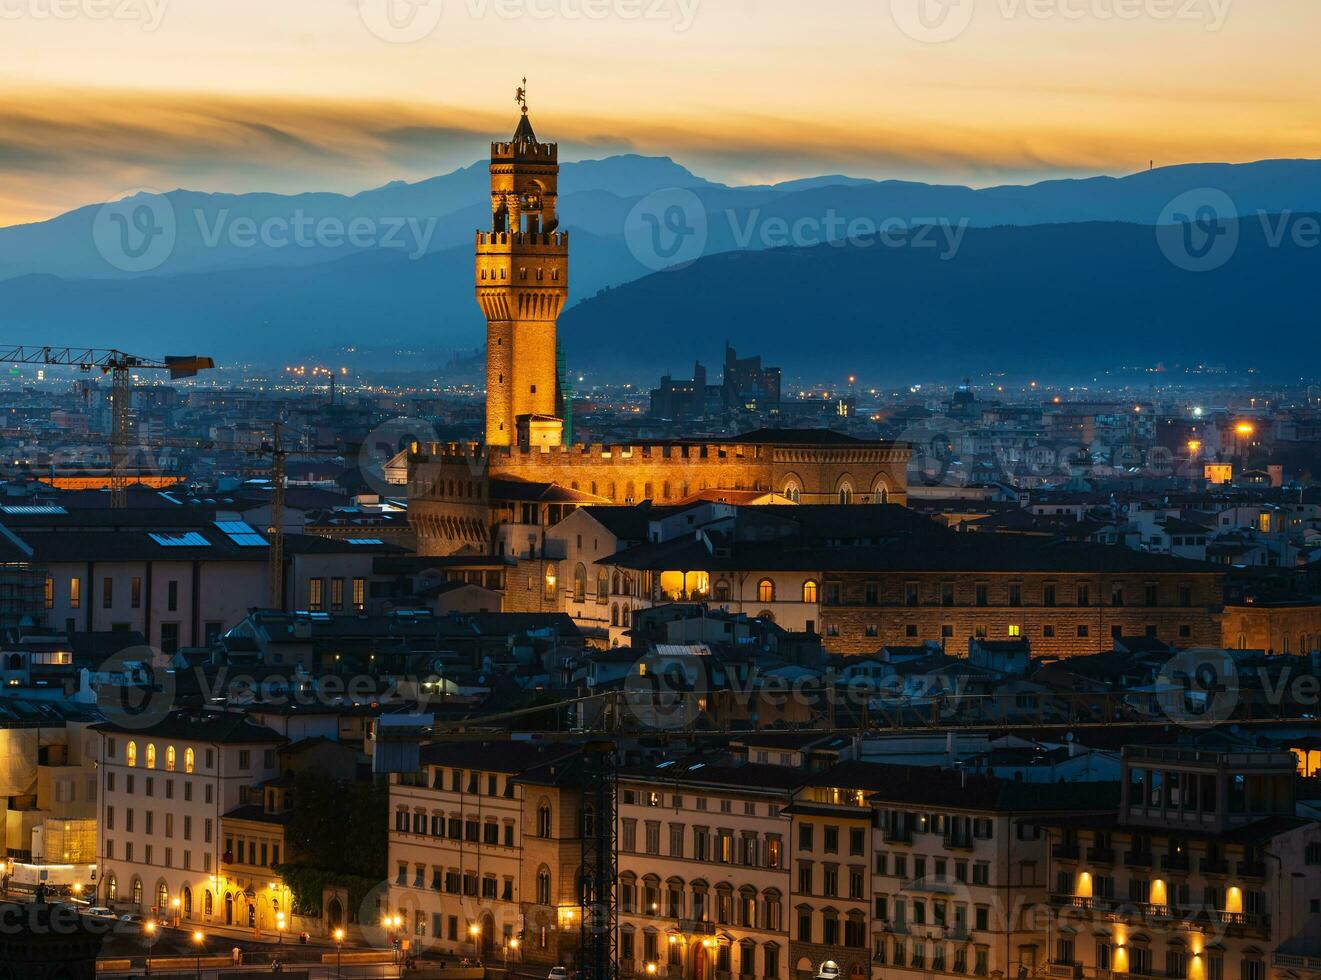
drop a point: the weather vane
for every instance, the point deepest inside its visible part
(521, 97)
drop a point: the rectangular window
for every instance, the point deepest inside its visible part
(75, 593)
(172, 597)
(135, 592)
(336, 595)
(316, 594)
(107, 593)
(359, 594)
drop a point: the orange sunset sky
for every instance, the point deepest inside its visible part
(102, 97)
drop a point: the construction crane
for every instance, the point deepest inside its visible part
(275, 528)
(118, 365)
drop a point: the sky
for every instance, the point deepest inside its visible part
(100, 98)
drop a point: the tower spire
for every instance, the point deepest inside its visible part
(524, 133)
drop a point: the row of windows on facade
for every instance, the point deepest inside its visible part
(654, 798)
(162, 894)
(1050, 594)
(943, 957)
(522, 274)
(1137, 952)
(454, 827)
(455, 882)
(317, 593)
(723, 955)
(148, 855)
(731, 906)
(75, 593)
(149, 759)
(149, 823)
(1162, 895)
(722, 847)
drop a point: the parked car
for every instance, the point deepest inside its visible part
(100, 911)
(558, 973)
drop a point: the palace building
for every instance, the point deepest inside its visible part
(496, 497)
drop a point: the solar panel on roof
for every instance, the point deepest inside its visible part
(241, 533)
(189, 539)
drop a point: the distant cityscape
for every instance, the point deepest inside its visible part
(504, 672)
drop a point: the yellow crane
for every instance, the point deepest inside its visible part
(119, 366)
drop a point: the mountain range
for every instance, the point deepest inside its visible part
(239, 283)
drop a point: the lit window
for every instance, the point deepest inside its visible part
(765, 590)
(169, 758)
(810, 592)
(131, 755)
(151, 755)
(188, 759)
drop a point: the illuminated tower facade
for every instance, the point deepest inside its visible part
(522, 286)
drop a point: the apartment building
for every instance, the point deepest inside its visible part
(163, 793)
(959, 883)
(485, 849)
(704, 869)
(1203, 873)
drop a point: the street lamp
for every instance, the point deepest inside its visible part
(474, 933)
(279, 928)
(339, 949)
(198, 940)
(150, 929)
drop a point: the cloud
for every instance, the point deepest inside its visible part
(69, 148)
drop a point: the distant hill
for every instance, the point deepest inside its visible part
(1054, 298)
(226, 292)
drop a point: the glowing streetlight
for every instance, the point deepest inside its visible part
(279, 928)
(150, 929)
(339, 949)
(1245, 429)
(198, 941)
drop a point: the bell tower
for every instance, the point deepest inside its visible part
(522, 286)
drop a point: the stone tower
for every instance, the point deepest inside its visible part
(522, 285)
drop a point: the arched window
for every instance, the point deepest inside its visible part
(580, 582)
(614, 584)
(614, 614)
(543, 886)
(137, 891)
(208, 903)
(846, 494)
(765, 590)
(602, 588)
(543, 820)
(162, 897)
(151, 755)
(111, 888)
(187, 902)
(188, 759)
(169, 758)
(810, 592)
(131, 754)
(880, 493)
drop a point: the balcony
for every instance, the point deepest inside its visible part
(1065, 852)
(897, 835)
(1100, 855)
(1213, 866)
(1065, 971)
(695, 927)
(1138, 859)
(1252, 869)
(1248, 920)
(1174, 862)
